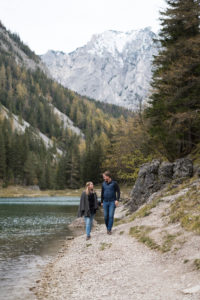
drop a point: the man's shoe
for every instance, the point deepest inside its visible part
(88, 237)
(109, 232)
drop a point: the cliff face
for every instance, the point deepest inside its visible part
(11, 44)
(113, 67)
(155, 175)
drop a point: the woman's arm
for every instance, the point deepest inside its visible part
(81, 205)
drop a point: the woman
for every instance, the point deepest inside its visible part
(88, 207)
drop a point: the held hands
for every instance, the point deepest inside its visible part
(116, 203)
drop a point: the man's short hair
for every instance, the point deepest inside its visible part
(107, 173)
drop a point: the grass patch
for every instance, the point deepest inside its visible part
(140, 213)
(168, 242)
(141, 234)
(119, 222)
(116, 220)
(171, 190)
(105, 246)
(186, 210)
(186, 261)
(146, 210)
(25, 191)
(197, 263)
(121, 232)
(88, 245)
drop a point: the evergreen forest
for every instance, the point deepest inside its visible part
(112, 137)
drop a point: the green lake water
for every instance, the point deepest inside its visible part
(31, 231)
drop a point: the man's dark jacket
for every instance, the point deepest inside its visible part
(110, 191)
(84, 209)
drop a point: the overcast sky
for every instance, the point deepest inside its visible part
(67, 24)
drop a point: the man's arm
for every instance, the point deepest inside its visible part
(102, 193)
(117, 189)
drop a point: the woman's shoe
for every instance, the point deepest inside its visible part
(88, 237)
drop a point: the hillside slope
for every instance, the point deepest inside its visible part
(21, 125)
(67, 121)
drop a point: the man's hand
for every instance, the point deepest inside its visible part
(116, 203)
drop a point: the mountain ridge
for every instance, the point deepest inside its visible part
(113, 67)
(66, 134)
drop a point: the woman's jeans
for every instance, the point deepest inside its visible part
(88, 224)
(109, 210)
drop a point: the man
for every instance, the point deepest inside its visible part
(110, 194)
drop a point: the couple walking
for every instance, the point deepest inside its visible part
(110, 194)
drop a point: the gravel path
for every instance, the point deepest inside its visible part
(116, 267)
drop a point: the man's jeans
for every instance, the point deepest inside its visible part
(109, 210)
(88, 224)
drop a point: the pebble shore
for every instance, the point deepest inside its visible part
(115, 267)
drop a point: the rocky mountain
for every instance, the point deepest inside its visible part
(114, 67)
(10, 44)
(49, 135)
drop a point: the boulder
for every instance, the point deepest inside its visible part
(146, 184)
(155, 175)
(182, 168)
(165, 172)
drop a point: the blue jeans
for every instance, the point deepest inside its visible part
(88, 224)
(109, 210)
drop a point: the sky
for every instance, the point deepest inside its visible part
(65, 25)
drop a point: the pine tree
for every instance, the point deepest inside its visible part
(30, 170)
(42, 178)
(73, 176)
(18, 163)
(61, 173)
(2, 156)
(175, 103)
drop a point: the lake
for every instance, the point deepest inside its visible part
(31, 232)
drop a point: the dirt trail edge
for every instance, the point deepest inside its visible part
(116, 267)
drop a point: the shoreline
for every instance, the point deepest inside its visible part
(115, 267)
(23, 191)
(17, 191)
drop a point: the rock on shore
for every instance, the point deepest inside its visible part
(155, 175)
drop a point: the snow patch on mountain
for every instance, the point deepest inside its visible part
(113, 67)
(21, 125)
(67, 122)
(10, 46)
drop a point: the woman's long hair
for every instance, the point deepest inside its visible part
(87, 187)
